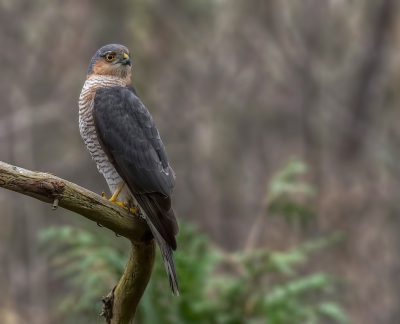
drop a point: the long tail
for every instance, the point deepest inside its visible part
(168, 258)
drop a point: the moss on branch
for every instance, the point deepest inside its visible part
(120, 305)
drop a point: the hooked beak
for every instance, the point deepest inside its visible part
(126, 60)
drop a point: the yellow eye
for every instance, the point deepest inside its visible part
(110, 57)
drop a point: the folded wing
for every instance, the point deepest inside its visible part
(129, 137)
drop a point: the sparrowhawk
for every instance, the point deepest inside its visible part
(123, 140)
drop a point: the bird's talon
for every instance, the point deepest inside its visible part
(120, 204)
(103, 194)
(125, 206)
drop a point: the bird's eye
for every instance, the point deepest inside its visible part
(110, 57)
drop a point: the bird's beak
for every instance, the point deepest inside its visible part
(126, 60)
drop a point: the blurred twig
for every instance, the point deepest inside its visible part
(365, 89)
(257, 227)
(48, 188)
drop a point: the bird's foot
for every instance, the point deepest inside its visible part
(125, 206)
(113, 200)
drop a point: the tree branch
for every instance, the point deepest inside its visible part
(120, 305)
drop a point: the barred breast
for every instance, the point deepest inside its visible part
(89, 135)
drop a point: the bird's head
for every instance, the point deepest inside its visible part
(113, 60)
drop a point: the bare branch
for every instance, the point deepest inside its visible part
(132, 285)
(120, 305)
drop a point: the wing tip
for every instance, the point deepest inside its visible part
(173, 283)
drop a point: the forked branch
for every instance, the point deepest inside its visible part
(120, 305)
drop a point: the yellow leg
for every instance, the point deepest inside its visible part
(114, 197)
(116, 193)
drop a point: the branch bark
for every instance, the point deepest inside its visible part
(121, 304)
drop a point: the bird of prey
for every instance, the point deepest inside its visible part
(123, 140)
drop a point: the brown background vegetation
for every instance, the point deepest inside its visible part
(236, 88)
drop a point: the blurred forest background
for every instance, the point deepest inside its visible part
(281, 120)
